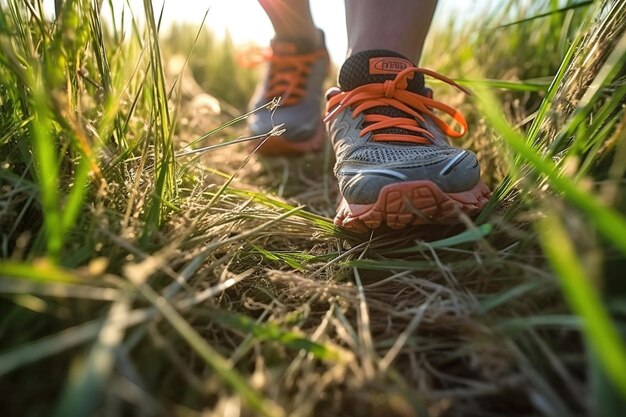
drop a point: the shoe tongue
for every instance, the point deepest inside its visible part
(377, 66)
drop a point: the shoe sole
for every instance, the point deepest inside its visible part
(410, 204)
(281, 146)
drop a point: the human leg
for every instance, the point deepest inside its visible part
(397, 25)
(292, 19)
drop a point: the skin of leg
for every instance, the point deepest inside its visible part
(291, 18)
(397, 25)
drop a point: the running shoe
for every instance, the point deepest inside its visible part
(295, 74)
(394, 164)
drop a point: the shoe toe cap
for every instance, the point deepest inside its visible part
(459, 173)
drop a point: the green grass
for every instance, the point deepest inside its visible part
(150, 266)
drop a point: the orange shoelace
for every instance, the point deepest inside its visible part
(394, 93)
(288, 73)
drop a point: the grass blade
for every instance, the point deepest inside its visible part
(82, 394)
(137, 275)
(609, 222)
(40, 270)
(289, 339)
(583, 297)
(546, 14)
(467, 236)
(47, 163)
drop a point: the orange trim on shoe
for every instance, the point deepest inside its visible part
(288, 73)
(412, 203)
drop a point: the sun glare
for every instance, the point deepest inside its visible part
(246, 21)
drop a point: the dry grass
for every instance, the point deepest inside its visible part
(245, 300)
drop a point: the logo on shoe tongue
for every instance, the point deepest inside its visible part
(388, 65)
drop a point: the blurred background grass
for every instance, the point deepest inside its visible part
(134, 283)
(213, 63)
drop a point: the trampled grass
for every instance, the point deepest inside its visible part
(150, 265)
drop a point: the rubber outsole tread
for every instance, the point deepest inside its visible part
(412, 203)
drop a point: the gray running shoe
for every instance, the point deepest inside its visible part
(295, 73)
(394, 163)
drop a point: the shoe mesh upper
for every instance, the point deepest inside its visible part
(381, 154)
